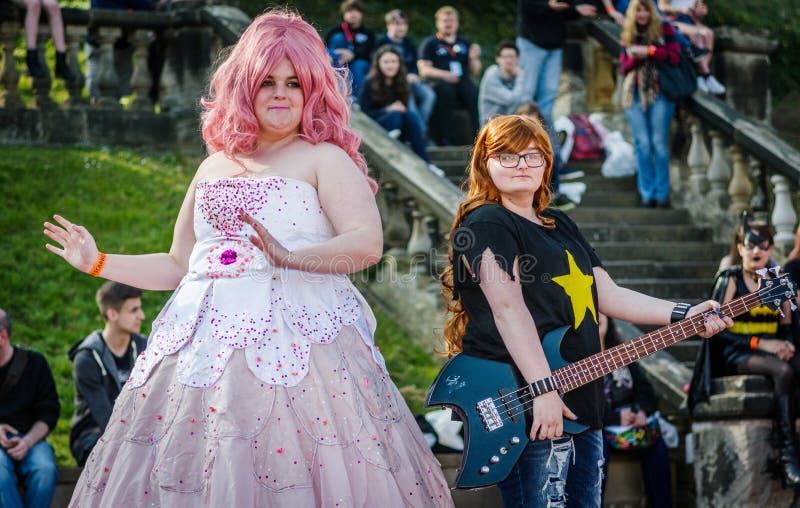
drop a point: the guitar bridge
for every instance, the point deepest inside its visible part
(489, 414)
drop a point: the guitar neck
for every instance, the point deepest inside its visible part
(598, 365)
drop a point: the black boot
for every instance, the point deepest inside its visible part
(34, 68)
(787, 446)
(62, 69)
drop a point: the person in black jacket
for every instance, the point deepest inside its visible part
(103, 361)
(385, 98)
(630, 401)
(352, 43)
(28, 412)
(760, 341)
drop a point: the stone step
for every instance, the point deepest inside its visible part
(660, 251)
(605, 232)
(628, 215)
(612, 199)
(661, 269)
(686, 350)
(600, 183)
(753, 384)
(460, 154)
(669, 289)
(736, 405)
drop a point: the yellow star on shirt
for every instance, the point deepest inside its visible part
(578, 287)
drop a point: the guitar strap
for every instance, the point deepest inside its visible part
(18, 363)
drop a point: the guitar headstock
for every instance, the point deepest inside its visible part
(773, 292)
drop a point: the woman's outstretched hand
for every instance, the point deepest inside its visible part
(78, 247)
(275, 253)
(713, 322)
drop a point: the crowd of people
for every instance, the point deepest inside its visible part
(284, 194)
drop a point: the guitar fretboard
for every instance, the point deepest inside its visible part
(598, 365)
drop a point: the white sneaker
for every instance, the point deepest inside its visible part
(436, 170)
(394, 133)
(714, 86)
(702, 85)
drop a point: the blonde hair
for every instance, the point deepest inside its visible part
(654, 31)
(509, 133)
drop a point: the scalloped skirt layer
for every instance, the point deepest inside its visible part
(343, 437)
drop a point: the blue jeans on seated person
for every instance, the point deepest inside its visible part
(655, 473)
(410, 128)
(556, 473)
(38, 474)
(358, 68)
(421, 102)
(650, 129)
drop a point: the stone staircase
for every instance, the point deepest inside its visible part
(657, 252)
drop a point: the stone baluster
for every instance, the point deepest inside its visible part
(395, 231)
(10, 98)
(438, 252)
(169, 92)
(783, 215)
(759, 202)
(419, 243)
(141, 80)
(740, 189)
(74, 36)
(42, 86)
(107, 79)
(719, 173)
(697, 160)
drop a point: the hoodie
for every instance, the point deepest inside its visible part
(97, 381)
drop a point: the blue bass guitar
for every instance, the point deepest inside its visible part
(492, 403)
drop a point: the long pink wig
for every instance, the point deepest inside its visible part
(229, 121)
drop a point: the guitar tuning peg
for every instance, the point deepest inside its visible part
(762, 273)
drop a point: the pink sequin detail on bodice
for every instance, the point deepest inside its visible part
(233, 298)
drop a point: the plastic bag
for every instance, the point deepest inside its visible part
(620, 159)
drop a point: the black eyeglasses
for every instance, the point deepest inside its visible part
(511, 160)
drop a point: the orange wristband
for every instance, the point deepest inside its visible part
(651, 50)
(610, 9)
(754, 342)
(98, 265)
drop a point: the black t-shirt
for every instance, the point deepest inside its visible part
(557, 285)
(124, 364)
(448, 57)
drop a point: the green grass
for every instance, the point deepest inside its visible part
(129, 201)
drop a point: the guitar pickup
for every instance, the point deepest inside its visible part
(489, 414)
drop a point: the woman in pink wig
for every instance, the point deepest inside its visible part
(261, 384)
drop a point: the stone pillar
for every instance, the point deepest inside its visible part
(741, 62)
(731, 459)
(107, 79)
(42, 86)
(10, 98)
(141, 80)
(783, 215)
(169, 96)
(740, 189)
(598, 73)
(75, 35)
(697, 160)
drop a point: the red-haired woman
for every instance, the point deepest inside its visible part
(261, 384)
(520, 269)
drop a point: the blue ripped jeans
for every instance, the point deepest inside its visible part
(557, 473)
